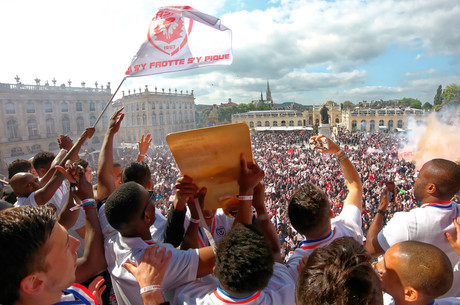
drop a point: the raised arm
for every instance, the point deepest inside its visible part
(372, 243)
(105, 180)
(351, 176)
(455, 243)
(143, 145)
(250, 176)
(264, 223)
(93, 260)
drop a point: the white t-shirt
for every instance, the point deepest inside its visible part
(428, 224)
(280, 290)
(220, 226)
(348, 223)
(182, 267)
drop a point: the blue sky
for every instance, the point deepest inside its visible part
(311, 51)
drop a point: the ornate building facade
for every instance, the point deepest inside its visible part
(33, 116)
(156, 112)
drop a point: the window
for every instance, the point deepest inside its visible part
(363, 125)
(80, 125)
(12, 127)
(291, 123)
(64, 107)
(390, 124)
(143, 106)
(259, 124)
(153, 106)
(251, 124)
(400, 124)
(65, 125)
(154, 119)
(48, 107)
(53, 146)
(138, 120)
(16, 151)
(35, 148)
(10, 108)
(283, 123)
(79, 107)
(267, 124)
(353, 125)
(381, 123)
(50, 130)
(161, 119)
(92, 106)
(299, 123)
(137, 107)
(372, 125)
(30, 108)
(32, 127)
(275, 123)
(175, 118)
(92, 120)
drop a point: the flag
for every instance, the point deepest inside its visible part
(182, 38)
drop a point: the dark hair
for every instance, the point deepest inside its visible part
(18, 166)
(123, 205)
(244, 262)
(445, 175)
(309, 210)
(83, 163)
(23, 233)
(340, 273)
(138, 172)
(426, 268)
(42, 160)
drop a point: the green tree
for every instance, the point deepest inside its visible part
(411, 102)
(427, 106)
(451, 95)
(347, 104)
(438, 97)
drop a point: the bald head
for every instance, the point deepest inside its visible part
(24, 184)
(425, 268)
(438, 180)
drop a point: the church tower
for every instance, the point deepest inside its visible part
(269, 95)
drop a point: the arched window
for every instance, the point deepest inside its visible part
(400, 124)
(65, 125)
(337, 120)
(50, 129)
(30, 108)
(363, 125)
(64, 107)
(53, 146)
(32, 127)
(10, 108)
(259, 124)
(299, 123)
(79, 107)
(275, 123)
(381, 123)
(154, 119)
(267, 123)
(12, 127)
(161, 118)
(16, 151)
(390, 125)
(35, 148)
(251, 124)
(372, 125)
(138, 120)
(291, 123)
(144, 119)
(353, 125)
(283, 123)
(80, 125)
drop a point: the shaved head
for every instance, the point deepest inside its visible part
(445, 175)
(424, 267)
(24, 184)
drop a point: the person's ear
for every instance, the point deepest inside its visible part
(32, 284)
(411, 295)
(431, 188)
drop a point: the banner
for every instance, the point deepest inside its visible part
(182, 38)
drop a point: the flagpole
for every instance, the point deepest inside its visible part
(108, 103)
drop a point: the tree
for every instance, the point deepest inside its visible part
(411, 102)
(451, 94)
(347, 104)
(427, 106)
(438, 97)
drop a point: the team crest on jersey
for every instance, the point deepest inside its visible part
(220, 231)
(168, 32)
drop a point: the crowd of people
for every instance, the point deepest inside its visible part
(358, 178)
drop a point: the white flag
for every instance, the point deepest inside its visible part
(182, 38)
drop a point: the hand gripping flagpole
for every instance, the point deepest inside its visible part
(109, 102)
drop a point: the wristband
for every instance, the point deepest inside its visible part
(338, 153)
(192, 220)
(142, 155)
(343, 157)
(241, 198)
(262, 217)
(150, 288)
(381, 212)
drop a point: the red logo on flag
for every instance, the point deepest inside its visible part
(168, 33)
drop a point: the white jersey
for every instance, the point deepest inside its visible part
(428, 224)
(221, 224)
(388, 300)
(182, 267)
(206, 291)
(348, 223)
